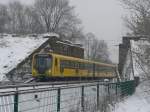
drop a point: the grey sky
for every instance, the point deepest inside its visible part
(102, 17)
(23, 1)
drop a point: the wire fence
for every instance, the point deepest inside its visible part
(74, 98)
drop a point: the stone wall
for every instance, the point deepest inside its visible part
(123, 51)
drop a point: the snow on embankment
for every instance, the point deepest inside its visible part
(139, 50)
(138, 102)
(15, 49)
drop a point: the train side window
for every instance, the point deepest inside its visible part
(79, 65)
(72, 64)
(56, 62)
(76, 64)
(68, 64)
(91, 65)
(96, 68)
(86, 66)
(64, 64)
(83, 65)
(103, 69)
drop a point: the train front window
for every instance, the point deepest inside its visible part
(43, 62)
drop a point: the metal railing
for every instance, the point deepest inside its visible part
(73, 98)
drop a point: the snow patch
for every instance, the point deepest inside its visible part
(50, 35)
(15, 49)
(139, 102)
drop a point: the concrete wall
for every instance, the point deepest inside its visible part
(123, 50)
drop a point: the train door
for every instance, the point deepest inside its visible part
(56, 66)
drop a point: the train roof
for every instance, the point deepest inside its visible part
(83, 60)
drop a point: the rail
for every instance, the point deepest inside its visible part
(85, 97)
(45, 83)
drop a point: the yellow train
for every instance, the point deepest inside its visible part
(54, 66)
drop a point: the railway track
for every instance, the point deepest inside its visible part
(42, 85)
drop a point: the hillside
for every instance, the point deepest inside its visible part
(15, 49)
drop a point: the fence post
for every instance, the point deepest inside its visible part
(98, 96)
(82, 98)
(109, 92)
(116, 89)
(16, 102)
(134, 86)
(58, 99)
(108, 89)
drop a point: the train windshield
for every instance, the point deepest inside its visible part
(43, 62)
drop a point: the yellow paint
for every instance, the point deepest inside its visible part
(71, 72)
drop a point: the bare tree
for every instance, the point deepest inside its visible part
(16, 14)
(52, 12)
(139, 23)
(4, 18)
(96, 50)
(33, 22)
(72, 33)
(139, 20)
(41, 17)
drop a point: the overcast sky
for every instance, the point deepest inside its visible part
(104, 19)
(101, 17)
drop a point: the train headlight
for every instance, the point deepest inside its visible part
(34, 72)
(49, 71)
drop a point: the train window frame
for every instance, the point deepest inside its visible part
(77, 65)
(83, 66)
(69, 63)
(47, 56)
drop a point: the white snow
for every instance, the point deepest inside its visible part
(46, 101)
(138, 51)
(133, 59)
(138, 102)
(51, 34)
(15, 49)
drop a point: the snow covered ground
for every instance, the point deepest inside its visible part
(38, 100)
(138, 102)
(15, 49)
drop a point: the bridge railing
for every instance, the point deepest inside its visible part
(74, 98)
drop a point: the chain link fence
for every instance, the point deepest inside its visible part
(75, 98)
